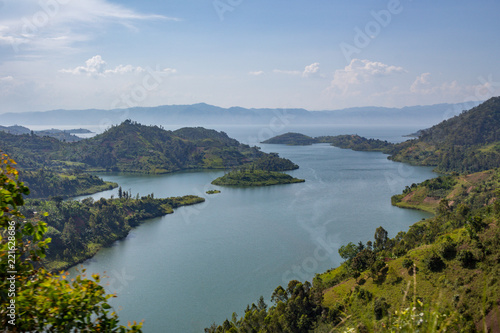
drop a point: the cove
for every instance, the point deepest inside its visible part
(184, 271)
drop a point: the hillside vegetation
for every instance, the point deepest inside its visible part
(48, 184)
(79, 229)
(128, 147)
(441, 274)
(469, 142)
(132, 147)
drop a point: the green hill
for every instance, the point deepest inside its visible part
(469, 142)
(132, 147)
(292, 139)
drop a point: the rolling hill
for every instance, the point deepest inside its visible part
(469, 142)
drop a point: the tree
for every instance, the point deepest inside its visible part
(349, 251)
(380, 239)
(32, 299)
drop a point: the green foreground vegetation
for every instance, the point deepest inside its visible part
(31, 298)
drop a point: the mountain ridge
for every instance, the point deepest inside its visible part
(205, 114)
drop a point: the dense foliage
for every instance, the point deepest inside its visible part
(47, 184)
(296, 309)
(79, 229)
(356, 142)
(469, 142)
(132, 147)
(293, 139)
(251, 177)
(31, 299)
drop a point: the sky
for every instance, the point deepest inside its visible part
(317, 55)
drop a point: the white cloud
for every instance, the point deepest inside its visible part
(96, 66)
(256, 73)
(6, 79)
(46, 25)
(280, 71)
(424, 87)
(359, 73)
(311, 70)
(421, 82)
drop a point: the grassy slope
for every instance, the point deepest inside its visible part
(466, 143)
(472, 291)
(473, 190)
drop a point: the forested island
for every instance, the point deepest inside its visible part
(251, 177)
(354, 141)
(440, 275)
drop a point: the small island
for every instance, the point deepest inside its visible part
(292, 139)
(213, 192)
(255, 178)
(349, 141)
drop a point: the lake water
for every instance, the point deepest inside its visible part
(182, 272)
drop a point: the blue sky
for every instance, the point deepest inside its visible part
(322, 54)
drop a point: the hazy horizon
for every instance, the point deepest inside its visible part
(108, 54)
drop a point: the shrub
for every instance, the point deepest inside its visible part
(407, 263)
(434, 263)
(380, 307)
(466, 259)
(447, 249)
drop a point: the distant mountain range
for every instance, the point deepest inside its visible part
(203, 114)
(66, 135)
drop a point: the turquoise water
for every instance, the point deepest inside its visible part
(184, 271)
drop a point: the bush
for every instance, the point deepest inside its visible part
(380, 307)
(434, 263)
(448, 249)
(407, 263)
(466, 259)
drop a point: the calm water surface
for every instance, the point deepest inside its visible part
(184, 271)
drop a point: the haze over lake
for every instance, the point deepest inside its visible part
(184, 271)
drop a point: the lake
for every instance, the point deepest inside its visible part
(182, 272)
